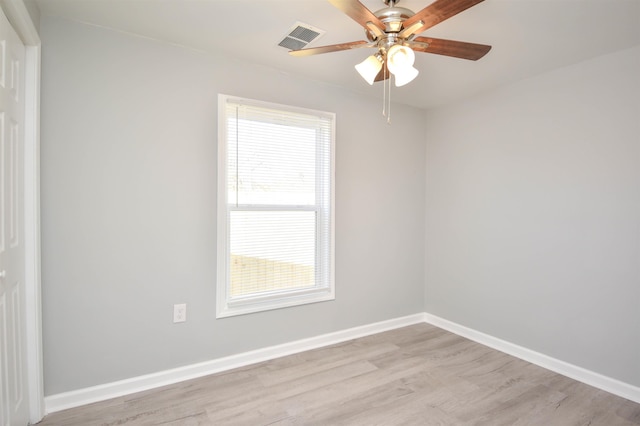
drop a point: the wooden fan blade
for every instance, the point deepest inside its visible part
(437, 12)
(383, 74)
(457, 49)
(358, 12)
(330, 48)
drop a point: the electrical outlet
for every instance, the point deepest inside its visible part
(180, 312)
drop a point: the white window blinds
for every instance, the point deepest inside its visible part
(276, 203)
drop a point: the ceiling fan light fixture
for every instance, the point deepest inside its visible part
(400, 61)
(369, 68)
(399, 58)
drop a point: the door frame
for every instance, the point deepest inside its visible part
(22, 22)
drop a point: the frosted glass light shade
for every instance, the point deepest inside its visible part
(406, 75)
(369, 68)
(400, 61)
(400, 57)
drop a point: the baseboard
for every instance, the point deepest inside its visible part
(580, 374)
(106, 391)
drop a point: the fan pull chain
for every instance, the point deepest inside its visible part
(388, 83)
(384, 92)
(386, 95)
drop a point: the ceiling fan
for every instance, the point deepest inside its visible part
(393, 31)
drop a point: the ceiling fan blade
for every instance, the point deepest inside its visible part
(358, 12)
(457, 49)
(330, 48)
(437, 12)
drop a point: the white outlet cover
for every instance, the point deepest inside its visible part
(180, 312)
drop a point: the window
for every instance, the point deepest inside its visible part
(275, 206)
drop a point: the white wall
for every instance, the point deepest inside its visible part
(128, 207)
(533, 214)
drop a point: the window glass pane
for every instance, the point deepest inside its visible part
(271, 251)
(271, 163)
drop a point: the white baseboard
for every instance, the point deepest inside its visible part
(106, 391)
(580, 374)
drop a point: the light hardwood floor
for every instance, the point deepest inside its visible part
(417, 375)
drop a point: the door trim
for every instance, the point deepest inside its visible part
(19, 17)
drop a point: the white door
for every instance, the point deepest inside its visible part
(14, 408)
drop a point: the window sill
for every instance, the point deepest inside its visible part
(256, 305)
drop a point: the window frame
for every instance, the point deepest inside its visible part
(225, 307)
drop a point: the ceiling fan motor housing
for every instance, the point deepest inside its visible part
(392, 18)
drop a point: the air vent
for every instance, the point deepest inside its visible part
(300, 35)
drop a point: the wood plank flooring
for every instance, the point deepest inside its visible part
(417, 375)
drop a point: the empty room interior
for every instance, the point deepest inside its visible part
(217, 230)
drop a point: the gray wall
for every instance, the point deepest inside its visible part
(532, 210)
(533, 214)
(128, 207)
(34, 12)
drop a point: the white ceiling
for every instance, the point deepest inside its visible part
(528, 37)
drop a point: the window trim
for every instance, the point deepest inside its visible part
(276, 300)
